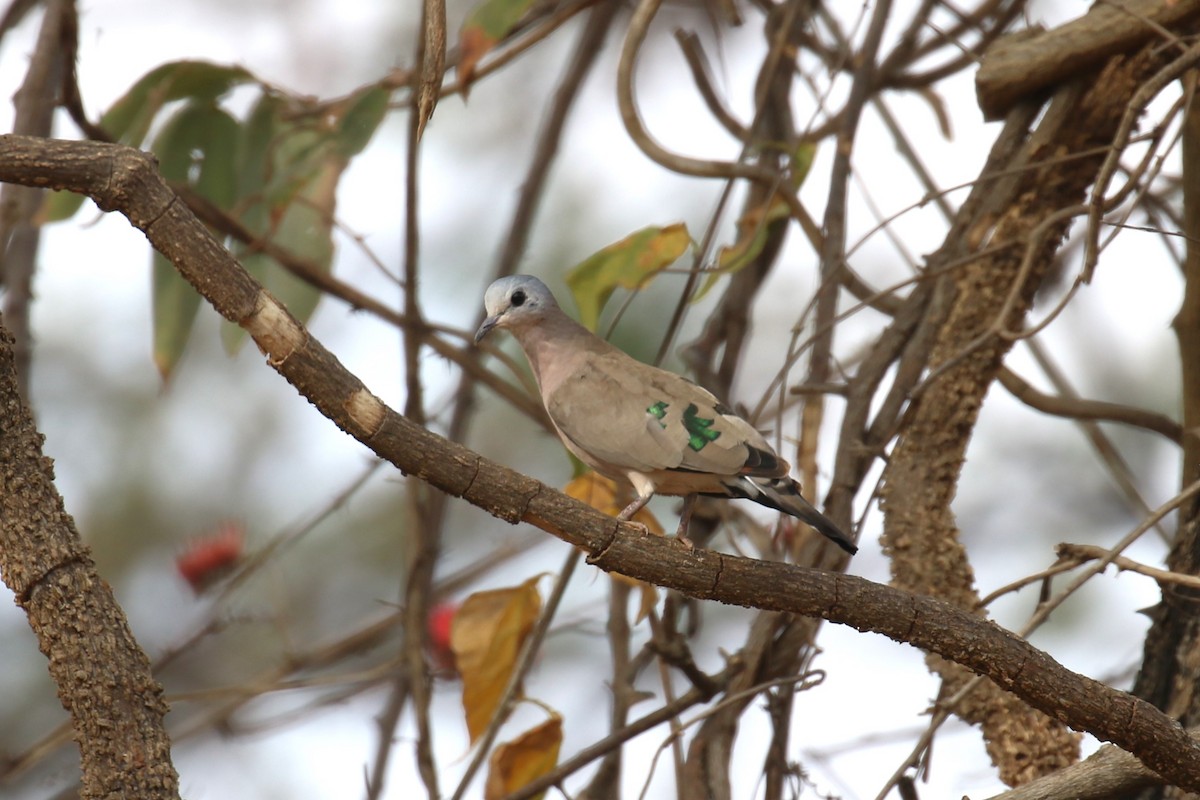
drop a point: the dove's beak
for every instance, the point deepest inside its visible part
(485, 328)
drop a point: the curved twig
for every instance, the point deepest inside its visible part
(1075, 408)
(639, 24)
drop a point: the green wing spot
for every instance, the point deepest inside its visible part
(658, 411)
(698, 428)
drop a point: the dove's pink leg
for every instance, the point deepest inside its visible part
(685, 519)
(634, 507)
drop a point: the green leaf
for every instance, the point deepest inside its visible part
(290, 166)
(176, 304)
(256, 145)
(297, 154)
(755, 225)
(59, 206)
(130, 117)
(629, 263)
(306, 229)
(487, 24)
(361, 119)
(255, 154)
(198, 146)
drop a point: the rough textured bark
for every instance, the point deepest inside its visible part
(1170, 672)
(103, 677)
(1020, 66)
(991, 294)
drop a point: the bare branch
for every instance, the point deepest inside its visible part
(1076, 408)
(1020, 66)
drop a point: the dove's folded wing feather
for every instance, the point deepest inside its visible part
(626, 415)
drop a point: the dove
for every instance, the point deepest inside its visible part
(637, 424)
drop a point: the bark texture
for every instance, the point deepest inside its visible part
(103, 677)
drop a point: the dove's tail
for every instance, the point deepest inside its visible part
(783, 494)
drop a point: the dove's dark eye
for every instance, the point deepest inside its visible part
(518, 298)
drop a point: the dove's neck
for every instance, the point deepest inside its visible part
(555, 348)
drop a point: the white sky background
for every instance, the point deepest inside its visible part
(92, 309)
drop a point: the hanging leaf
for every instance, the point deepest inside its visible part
(58, 206)
(362, 117)
(130, 118)
(487, 24)
(311, 161)
(255, 152)
(254, 159)
(531, 755)
(306, 229)
(308, 158)
(291, 165)
(600, 493)
(486, 637)
(754, 226)
(196, 147)
(175, 305)
(629, 263)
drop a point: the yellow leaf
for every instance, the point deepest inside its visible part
(753, 228)
(629, 263)
(754, 225)
(601, 494)
(528, 757)
(473, 44)
(486, 637)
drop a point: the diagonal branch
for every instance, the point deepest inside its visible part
(120, 178)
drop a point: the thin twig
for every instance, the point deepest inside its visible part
(1079, 409)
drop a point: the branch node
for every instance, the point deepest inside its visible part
(26, 595)
(524, 512)
(369, 412)
(273, 329)
(712, 589)
(595, 558)
(162, 213)
(474, 474)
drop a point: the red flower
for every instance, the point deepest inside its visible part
(209, 558)
(437, 625)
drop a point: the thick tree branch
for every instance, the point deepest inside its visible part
(992, 293)
(1108, 772)
(103, 678)
(120, 178)
(1021, 65)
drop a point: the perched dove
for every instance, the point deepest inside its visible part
(638, 424)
